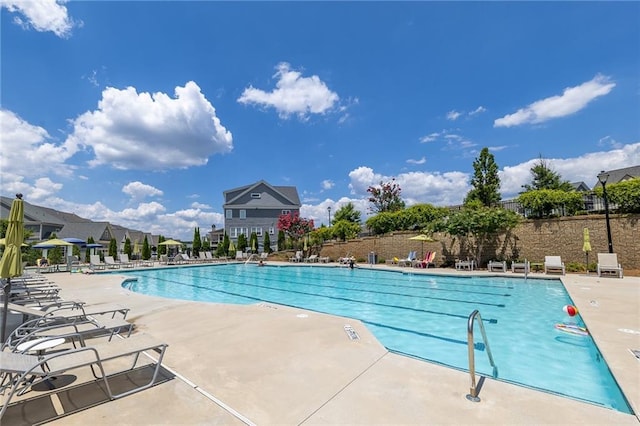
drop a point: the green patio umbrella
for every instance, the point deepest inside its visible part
(586, 245)
(2, 243)
(11, 262)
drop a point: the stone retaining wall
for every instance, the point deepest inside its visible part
(532, 240)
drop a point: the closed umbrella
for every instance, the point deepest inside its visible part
(422, 238)
(2, 243)
(586, 245)
(11, 262)
(231, 248)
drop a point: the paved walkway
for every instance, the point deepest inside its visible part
(273, 365)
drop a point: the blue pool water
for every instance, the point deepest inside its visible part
(423, 316)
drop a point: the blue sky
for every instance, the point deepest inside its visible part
(143, 113)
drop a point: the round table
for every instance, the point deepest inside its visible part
(39, 345)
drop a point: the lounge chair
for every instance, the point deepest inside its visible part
(21, 371)
(124, 260)
(497, 266)
(428, 260)
(297, 257)
(111, 263)
(524, 267)
(408, 260)
(95, 263)
(312, 258)
(553, 264)
(608, 262)
(465, 264)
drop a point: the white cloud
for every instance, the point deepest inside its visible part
(453, 115)
(430, 137)
(41, 15)
(608, 141)
(144, 131)
(293, 94)
(27, 152)
(420, 161)
(327, 184)
(478, 110)
(139, 191)
(572, 100)
(320, 214)
(202, 206)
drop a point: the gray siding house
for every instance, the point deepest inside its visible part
(256, 208)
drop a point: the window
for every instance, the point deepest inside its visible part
(229, 214)
(286, 211)
(233, 232)
(255, 195)
(257, 230)
(243, 214)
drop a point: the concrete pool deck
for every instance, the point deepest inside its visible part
(267, 364)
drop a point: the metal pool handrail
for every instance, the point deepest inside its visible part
(473, 392)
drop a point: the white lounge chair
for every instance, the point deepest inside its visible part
(465, 264)
(312, 258)
(297, 257)
(124, 260)
(111, 263)
(608, 262)
(553, 264)
(496, 266)
(524, 267)
(95, 263)
(409, 259)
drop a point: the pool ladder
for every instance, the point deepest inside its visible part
(473, 392)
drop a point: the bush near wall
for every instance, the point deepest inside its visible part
(531, 240)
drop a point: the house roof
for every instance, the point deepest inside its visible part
(620, 175)
(84, 230)
(276, 195)
(32, 214)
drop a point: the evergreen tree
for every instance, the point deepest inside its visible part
(128, 249)
(197, 242)
(266, 245)
(347, 212)
(544, 177)
(87, 255)
(281, 240)
(113, 248)
(242, 243)
(162, 249)
(485, 180)
(146, 249)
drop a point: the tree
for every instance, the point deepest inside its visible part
(624, 195)
(543, 202)
(266, 245)
(197, 242)
(113, 248)
(386, 197)
(281, 240)
(294, 226)
(162, 249)
(347, 212)
(146, 249)
(127, 247)
(223, 249)
(544, 177)
(345, 230)
(477, 224)
(87, 255)
(485, 180)
(242, 243)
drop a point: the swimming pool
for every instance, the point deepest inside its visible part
(423, 316)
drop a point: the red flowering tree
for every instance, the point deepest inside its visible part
(294, 226)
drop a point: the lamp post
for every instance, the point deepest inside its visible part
(329, 210)
(602, 178)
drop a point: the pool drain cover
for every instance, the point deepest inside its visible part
(353, 335)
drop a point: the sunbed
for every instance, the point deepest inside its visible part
(19, 372)
(608, 262)
(553, 264)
